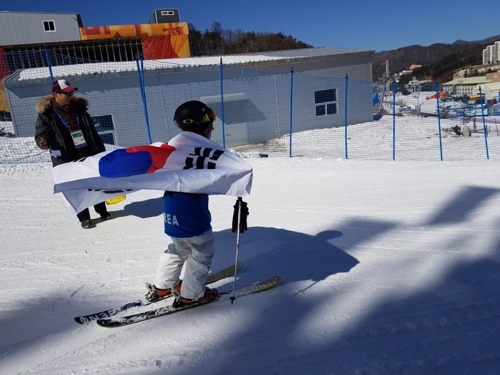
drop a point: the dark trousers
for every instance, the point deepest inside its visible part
(100, 208)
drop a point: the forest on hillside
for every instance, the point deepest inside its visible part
(439, 61)
(218, 41)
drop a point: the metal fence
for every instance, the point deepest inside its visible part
(261, 114)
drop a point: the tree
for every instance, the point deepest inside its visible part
(213, 39)
(195, 40)
(405, 78)
(218, 41)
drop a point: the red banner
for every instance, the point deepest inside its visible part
(4, 70)
(157, 47)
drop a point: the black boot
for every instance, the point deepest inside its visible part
(87, 224)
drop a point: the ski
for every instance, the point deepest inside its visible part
(120, 321)
(212, 278)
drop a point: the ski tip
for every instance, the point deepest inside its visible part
(273, 280)
(105, 325)
(84, 321)
(266, 284)
(276, 280)
(109, 323)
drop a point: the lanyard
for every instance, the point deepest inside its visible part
(64, 122)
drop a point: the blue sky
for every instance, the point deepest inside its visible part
(365, 24)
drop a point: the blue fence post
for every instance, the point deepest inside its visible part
(142, 85)
(345, 115)
(485, 129)
(436, 86)
(49, 65)
(222, 103)
(393, 120)
(291, 110)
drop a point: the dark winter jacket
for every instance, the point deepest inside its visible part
(50, 127)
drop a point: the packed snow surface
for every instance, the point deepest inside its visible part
(388, 267)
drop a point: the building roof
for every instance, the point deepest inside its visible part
(249, 60)
(15, 12)
(467, 81)
(309, 52)
(490, 86)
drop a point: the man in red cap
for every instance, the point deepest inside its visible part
(66, 129)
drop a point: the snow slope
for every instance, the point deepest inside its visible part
(387, 267)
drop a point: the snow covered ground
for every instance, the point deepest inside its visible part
(387, 268)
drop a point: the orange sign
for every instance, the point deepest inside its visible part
(4, 72)
(131, 31)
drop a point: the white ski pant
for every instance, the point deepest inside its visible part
(196, 253)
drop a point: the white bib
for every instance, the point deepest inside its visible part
(78, 139)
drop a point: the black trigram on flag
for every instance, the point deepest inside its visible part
(203, 158)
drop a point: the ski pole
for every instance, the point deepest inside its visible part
(237, 249)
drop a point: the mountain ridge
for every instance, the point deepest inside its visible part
(439, 60)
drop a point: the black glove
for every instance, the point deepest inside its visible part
(243, 216)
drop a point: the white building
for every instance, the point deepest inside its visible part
(491, 90)
(253, 107)
(491, 54)
(464, 86)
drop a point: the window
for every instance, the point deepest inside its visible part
(326, 102)
(49, 26)
(167, 12)
(105, 127)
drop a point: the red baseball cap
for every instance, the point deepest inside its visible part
(61, 85)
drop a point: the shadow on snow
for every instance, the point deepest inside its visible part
(402, 334)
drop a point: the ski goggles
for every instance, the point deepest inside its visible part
(209, 116)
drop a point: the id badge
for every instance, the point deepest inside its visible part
(78, 139)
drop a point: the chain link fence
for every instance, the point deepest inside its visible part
(260, 113)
